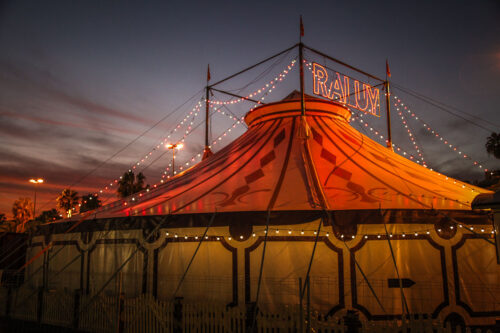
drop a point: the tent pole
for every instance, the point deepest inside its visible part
(207, 152)
(388, 108)
(207, 109)
(301, 309)
(301, 61)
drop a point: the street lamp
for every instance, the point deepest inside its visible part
(35, 182)
(174, 146)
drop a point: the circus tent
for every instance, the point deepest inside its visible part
(270, 167)
(301, 196)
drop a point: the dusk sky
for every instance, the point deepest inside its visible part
(81, 80)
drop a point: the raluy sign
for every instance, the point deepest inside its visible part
(346, 90)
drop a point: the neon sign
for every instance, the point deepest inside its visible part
(346, 90)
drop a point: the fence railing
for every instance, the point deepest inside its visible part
(147, 314)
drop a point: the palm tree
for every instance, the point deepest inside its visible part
(6, 226)
(493, 144)
(48, 216)
(67, 201)
(22, 210)
(130, 184)
(89, 202)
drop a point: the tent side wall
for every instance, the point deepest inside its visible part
(444, 270)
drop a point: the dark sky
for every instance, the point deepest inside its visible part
(79, 80)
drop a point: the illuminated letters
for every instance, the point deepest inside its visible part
(346, 90)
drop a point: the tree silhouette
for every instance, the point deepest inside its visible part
(130, 184)
(493, 144)
(6, 226)
(22, 210)
(67, 201)
(89, 202)
(48, 216)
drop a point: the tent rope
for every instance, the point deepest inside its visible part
(254, 316)
(364, 277)
(404, 304)
(194, 254)
(155, 229)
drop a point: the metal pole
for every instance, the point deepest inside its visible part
(388, 107)
(173, 161)
(301, 61)
(343, 63)
(308, 290)
(34, 204)
(301, 309)
(207, 109)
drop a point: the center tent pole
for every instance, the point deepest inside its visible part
(388, 109)
(388, 104)
(304, 128)
(207, 152)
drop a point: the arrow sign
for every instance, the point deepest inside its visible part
(406, 283)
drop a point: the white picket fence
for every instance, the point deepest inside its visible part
(146, 314)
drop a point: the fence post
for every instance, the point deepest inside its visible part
(301, 309)
(9, 302)
(308, 291)
(39, 314)
(76, 308)
(178, 314)
(250, 313)
(121, 305)
(352, 322)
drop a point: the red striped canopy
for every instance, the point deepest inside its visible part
(286, 162)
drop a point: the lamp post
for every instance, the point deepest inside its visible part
(174, 146)
(35, 182)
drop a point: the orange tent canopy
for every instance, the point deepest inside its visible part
(273, 166)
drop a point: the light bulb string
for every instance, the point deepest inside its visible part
(484, 231)
(401, 107)
(412, 137)
(277, 79)
(194, 113)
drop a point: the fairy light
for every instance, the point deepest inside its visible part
(193, 160)
(403, 234)
(410, 134)
(185, 121)
(261, 90)
(454, 148)
(400, 150)
(378, 135)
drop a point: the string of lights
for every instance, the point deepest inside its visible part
(185, 121)
(412, 138)
(400, 107)
(397, 148)
(259, 91)
(404, 153)
(286, 232)
(194, 112)
(193, 159)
